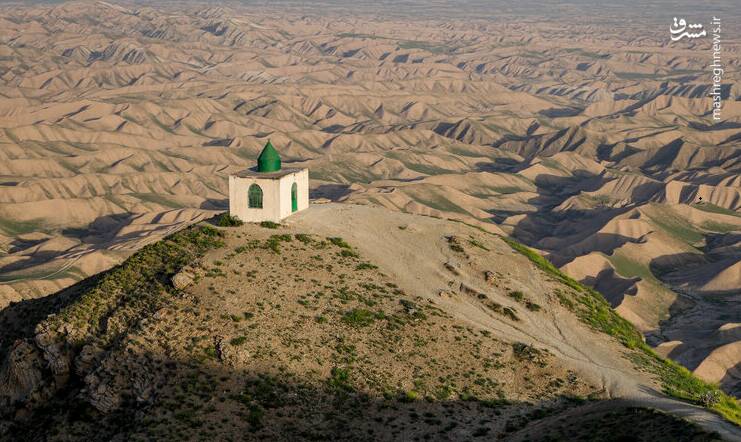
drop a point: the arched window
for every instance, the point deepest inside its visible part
(254, 195)
(294, 197)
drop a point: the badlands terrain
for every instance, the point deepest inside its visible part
(578, 129)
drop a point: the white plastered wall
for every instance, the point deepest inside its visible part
(276, 196)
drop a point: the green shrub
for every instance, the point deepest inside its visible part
(339, 379)
(339, 242)
(365, 266)
(359, 317)
(349, 254)
(516, 295)
(210, 351)
(409, 396)
(529, 353)
(269, 225)
(226, 220)
(273, 243)
(238, 341)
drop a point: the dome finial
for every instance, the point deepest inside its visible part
(269, 159)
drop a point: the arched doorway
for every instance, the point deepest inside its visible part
(294, 197)
(254, 196)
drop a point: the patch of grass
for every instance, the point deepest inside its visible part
(409, 396)
(339, 379)
(629, 268)
(238, 341)
(712, 208)
(266, 391)
(675, 225)
(355, 35)
(137, 288)
(366, 266)
(349, 253)
(210, 351)
(339, 242)
(433, 47)
(269, 225)
(304, 238)
(226, 220)
(359, 317)
(476, 243)
(15, 228)
(273, 243)
(714, 226)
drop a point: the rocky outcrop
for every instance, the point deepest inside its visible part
(85, 343)
(55, 350)
(22, 376)
(182, 280)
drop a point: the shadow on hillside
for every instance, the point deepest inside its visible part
(103, 228)
(206, 400)
(501, 164)
(612, 286)
(696, 320)
(215, 204)
(574, 224)
(598, 242)
(332, 192)
(723, 244)
(731, 382)
(663, 266)
(97, 235)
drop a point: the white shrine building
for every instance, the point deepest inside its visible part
(268, 192)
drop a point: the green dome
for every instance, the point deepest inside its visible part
(269, 160)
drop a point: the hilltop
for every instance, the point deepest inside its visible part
(347, 322)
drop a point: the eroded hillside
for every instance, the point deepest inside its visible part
(282, 332)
